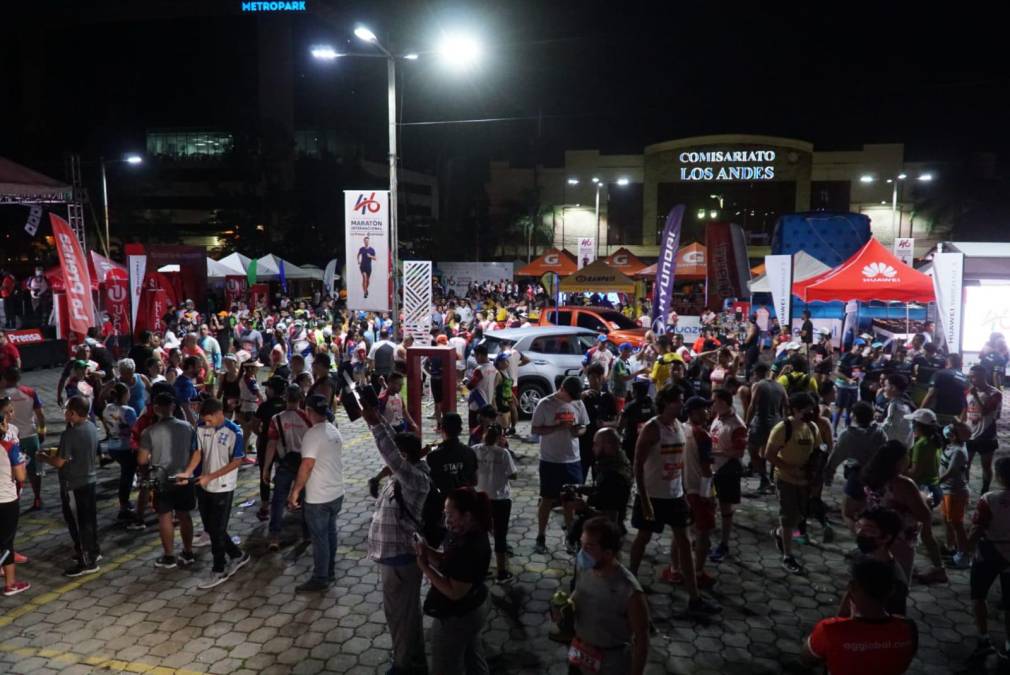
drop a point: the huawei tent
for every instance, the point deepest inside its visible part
(872, 274)
(598, 277)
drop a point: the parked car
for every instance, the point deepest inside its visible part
(554, 353)
(617, 327)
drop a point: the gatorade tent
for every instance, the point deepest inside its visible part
(625, 262)
(692, 265)
(598, 277)
(872, 274)
(552, 260)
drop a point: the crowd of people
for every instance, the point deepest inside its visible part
(644, 438)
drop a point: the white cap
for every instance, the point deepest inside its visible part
(923, 416)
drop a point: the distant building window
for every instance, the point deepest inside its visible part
(189, 144)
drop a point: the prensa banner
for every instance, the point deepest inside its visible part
(779, 271)
(666, 267)
(76, 280)
(948, 283)
(366, 242)
(587, 251)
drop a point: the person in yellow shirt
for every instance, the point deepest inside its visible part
(660, 374)
(791, 445)
(796, 377)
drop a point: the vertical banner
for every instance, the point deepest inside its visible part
(136, 266)
(366, 242)
(587, 251)
(666, 267)
(728, 271)
(117, 300)
(330, 279)
(192, 262)
(234, 289)
(948, 282)
(34, 219)
(417, 300)
(779, 269)
(76, 281)
(156, 297)
(283, 276)
(904, 250)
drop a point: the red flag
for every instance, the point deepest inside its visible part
(234, 289)
(155, 299)
(117, 300)
(76, 281)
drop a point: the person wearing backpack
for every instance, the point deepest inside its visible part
(797, 379)
(391, 539)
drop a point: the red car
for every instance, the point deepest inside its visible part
(617, 327)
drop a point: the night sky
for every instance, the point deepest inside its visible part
(615, 76)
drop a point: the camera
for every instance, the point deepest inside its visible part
(570, 492)
(354, 397)
(158, 479)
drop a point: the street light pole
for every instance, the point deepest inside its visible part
(599, 184)
(105, 203)
(394, 203)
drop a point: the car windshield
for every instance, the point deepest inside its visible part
(493, 345)
(617, 320)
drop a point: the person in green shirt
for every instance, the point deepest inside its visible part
(924, 455)
(620, 375)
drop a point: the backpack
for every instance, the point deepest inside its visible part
(430, 524)
(797, 386)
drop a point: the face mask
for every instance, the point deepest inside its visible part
(584, 560)
(866, 544)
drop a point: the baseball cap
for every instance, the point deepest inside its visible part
(294, 393)
(319, 405)
(823, 330)
(601, 338)
(572, 386)
(277, 383)
(441, 340)
(793, 346)
(502, 357)
(859, 342)
(626, 347)
(866, 336)
(923, 416)
(696, 402)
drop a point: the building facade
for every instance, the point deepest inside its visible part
(623, 200)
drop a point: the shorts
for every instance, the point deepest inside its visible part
(846, 397)
(986, 566)
(981, 446)
(176, 498)
(793, 501)
(245, 416)
(702, 512)
(757, 438)
(953, 507)
(673, 512)
(727, 482)
(436, 389)
(365, 270)
(29, 448)
(555, 475)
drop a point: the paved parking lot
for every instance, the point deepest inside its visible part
(132, 617)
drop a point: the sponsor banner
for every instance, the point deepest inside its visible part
(904, 250)
(834, 325)
(156, 297)
(689, 326)
(30, 336)
(330, 278)
(948, 283)
(34, 219)
(136, 267)
(587, 251)
(116, 297)
(366, 241)
(103, 267)
(76, 280)
(779, 271)
(666, 267)
(986, 311)
(417, 300)
(190, 283)
(457, 276)
(234, 289)
(728, 271)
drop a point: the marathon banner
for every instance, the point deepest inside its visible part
(191, 280)
(366, 242)
(904, 250)
(116, 297)
(587, 251)
(76, 281)
(234, 289)
(728, 270)
(779, 270)
(666, 267)
(34, 219)
(136, 265)
(948, 285)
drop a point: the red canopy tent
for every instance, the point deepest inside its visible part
(872, 274)
(562, 263)
(625, 261)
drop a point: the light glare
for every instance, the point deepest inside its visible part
(363, 33)
(623, 181)
(324, 53)
(866, 179)
(134, 159)
(459, 51)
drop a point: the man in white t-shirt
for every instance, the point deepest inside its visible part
(559, 420)
(516, 360)
(600, 354)
(458, 342)
(321, 474)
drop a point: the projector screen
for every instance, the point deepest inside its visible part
(986, 311)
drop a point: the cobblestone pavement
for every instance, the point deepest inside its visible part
(132, 617)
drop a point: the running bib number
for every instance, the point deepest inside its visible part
(673, 461)
(584, 656)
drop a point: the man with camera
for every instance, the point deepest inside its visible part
(168, 446)
(391, 536)
(284, 446)
(608, 495)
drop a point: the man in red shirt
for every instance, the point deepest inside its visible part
(10, 357)
(846, 645)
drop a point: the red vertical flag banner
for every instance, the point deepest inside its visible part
(76, 281)
(234, 289)
(117, 300)
(728, 271)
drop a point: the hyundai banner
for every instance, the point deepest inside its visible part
(948, 283)
(666, 267)
(76, 280)
(779, 271)
(366, 242)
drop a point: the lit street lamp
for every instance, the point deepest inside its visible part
(894, 181)
(455, 49)
(132, 160)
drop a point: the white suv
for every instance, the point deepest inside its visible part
(555, 352)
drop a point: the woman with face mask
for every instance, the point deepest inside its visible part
(457, 599)
(876, 529)
(611, 614)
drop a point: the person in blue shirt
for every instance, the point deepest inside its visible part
(366, 254)
(185, 390)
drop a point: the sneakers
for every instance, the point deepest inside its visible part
(312, 586)
(541, 546)
(16, 587)
(185, 559)
(263, 515)
(165, 562)
(20, 559)
(80, 570)
(126, 514)
(790, 565)
(700, 605)
(505, 577)
(238, 563)
(719, 553)
(215, 579)
(137, 526)
(201, 540)
(800, 538)
(704, 579)
(671, 577)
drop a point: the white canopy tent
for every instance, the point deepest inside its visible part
(236, 263)
(215, 269)
(805, 266)
(268, 268)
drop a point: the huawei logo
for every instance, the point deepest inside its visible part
(879, 272)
